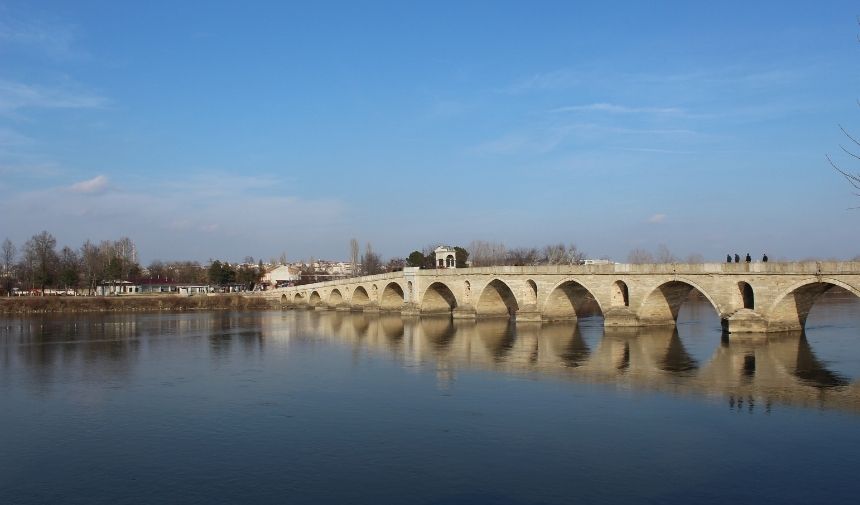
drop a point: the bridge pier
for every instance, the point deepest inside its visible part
(464, 312)
(528, 314)
(410, 310)
(744, 321)
(372, 308)
(620, 317)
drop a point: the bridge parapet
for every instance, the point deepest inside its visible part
(749, 297)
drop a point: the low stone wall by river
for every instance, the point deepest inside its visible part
(150, 303)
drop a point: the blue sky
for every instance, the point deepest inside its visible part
(213, 129)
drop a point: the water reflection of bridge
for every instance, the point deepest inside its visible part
(782, 370)
(99, 348)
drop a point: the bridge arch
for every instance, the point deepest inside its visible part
(620, 296)
(314, 299)
(392, 297)
(664, 302)
(360, 298)
(298, 298)
(569, 299)
(335, 298)
(438, 298)
(531, 293)
(746, 296)
(496, 300)
(791, 307)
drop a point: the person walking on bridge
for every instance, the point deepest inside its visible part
(737, 258)
(728, 258)
(749, 258)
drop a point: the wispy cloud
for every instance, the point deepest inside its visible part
(618, 109)
(655, 150)
(176, 220)
(97, 184)
(54, 40)
(16, 95)
(10, 138)
(545, 139)
(556, 79)
(657, 218)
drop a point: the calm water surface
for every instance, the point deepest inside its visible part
(311, 407)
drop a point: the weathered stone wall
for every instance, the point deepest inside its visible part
(778, 295)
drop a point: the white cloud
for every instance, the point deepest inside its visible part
(557, 79)
(95, 185)
(16, 95)
(53, 40)
(612, 108)
(189, 218)
(657, 218)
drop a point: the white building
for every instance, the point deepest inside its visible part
(446, 257)
(281, 275)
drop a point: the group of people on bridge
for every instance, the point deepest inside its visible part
(748, 258)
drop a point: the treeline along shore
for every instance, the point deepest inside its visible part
(143, 303)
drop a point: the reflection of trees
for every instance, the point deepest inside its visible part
(97, 348)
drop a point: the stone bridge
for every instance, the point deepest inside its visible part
(749, 297)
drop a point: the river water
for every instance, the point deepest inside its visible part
(323, 407)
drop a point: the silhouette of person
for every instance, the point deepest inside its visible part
(728, 258)
(737, 258)
(749, 258)
(764, 258)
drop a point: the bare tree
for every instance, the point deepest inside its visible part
(695, 258)
(41, 255)
(522, 256)
(395, 265)
(485, 254)
(560, 254)
(555, 254)
(664, 255)
(639, 256)
(371, 263)
(7, 256)
(70, 268)
(353, 255)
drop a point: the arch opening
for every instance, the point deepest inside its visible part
(438, 298)
(392, 297)
(298, 298)
(496, 300)
(360, 298)
(747, 297)
(531, 292)
(335, 298)
(315, 299)
(791, 311)
(664, 303)
(570, 301)
(620, 294)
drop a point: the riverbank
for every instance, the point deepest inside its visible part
(155, 303)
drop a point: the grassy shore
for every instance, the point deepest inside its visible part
(154, 303)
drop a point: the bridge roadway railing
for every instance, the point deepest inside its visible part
(748, 297)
